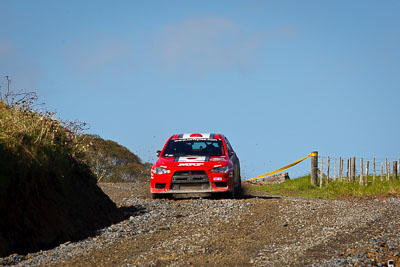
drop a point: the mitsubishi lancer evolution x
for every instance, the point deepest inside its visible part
(196, 163)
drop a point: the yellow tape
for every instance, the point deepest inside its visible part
(283, 168)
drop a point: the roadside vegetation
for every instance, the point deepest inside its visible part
(34, 134)
(301, 187)
(111, 162)
(30, 132)
(48, 189)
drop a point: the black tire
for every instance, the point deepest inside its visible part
(155, 196)
(239, 188)
(234, 193)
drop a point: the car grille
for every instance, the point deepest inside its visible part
(190, 177)
(182, 180)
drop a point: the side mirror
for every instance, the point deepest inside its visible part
(231, 154)
(158, 153)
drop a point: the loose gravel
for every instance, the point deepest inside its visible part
(254, 231)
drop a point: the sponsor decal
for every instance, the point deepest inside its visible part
(187, 136)
(195, 139)
(190, 159)
(217, 159)
(190, 164)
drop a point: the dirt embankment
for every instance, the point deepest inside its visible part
(253, 231)
(41, 208)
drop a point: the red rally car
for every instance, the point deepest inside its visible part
(196, 163)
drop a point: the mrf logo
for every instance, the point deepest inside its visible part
(190, 164)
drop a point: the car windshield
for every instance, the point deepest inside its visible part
(182, 148)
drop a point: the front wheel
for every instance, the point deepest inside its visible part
(237, 189)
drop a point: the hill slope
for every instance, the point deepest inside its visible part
(48, 195)
(112, 162)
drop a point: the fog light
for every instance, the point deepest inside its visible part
(217, 178)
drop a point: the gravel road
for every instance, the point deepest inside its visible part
(254, 231)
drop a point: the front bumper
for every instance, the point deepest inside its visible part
(191, 181)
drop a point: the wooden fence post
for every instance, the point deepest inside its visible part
(321, 172)
(341, 170)
(361, 172)
(374, 170)
(381, 170)
(350, 171)
(334, 175)
(353, 170)
(314, 168)
(394, 169)
(386, 178)
(366, 172)
(387, 172)
(328, 164)
(347, 171)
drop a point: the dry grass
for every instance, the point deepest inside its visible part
(27, 128)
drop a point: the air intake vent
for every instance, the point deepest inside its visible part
(160, 185)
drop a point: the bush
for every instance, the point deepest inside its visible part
(111, 162)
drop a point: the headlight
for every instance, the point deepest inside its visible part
(222, 169)
(161, 170)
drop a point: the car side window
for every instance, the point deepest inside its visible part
(228, 146)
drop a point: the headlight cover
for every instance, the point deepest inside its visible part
(222, 169)
(158, 170)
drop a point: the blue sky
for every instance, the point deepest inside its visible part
(279, 78)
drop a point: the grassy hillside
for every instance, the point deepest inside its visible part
(111, 162)
(301, 187)
(48, 194)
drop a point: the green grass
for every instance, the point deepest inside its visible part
(301, 187)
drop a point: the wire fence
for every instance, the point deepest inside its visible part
(362, 170)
